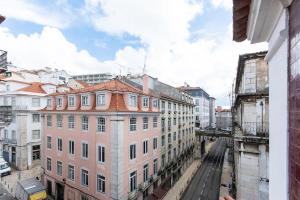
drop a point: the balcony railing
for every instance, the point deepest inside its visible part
(256, 128)
(9, 141)
(20, 107)
(132, 195)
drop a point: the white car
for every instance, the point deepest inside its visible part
(4, 168)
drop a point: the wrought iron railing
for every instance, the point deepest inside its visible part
(260, 129)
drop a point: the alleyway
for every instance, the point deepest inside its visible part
(206, 183)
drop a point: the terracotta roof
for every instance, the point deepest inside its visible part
(241, 9)
(117, 103)
(84, 84)
(33, 87)
(112, 85)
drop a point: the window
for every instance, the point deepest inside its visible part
(59, 168)
(59, 101)
(84, 197)
(49, 120)
(8, 88)
(13, 101)
(59, 119)
(100, 99)
(145, 102)
(174, 121)
(49, 164)
(71, 121)
(36, 152)
(163, 140)
(71, 101)
(169, 122)
(49, 142)
(35, 102)
(132, 124)
(174, 106)
(155, 166)
(155, 103)
(35, 118)
(101, 154)
(5, 133)
(133, 181)
(84, 100)
(174, 152)
(154, 122)
(163, 105)
(13, 135)
(71, 172)
(132, 153)
(169, 106)
(133, 100)
(84, 177)
(197, 102)
(100, 183)
(169, 138)
(101, 124)
(145, 146)
(71, 147)
(36, 134)
(154, 143)
(146, 172)
(145, 123)
(174, 136)
(59, 144)
(84, 150)
(49, 102)
(85, 123)
(197, 109)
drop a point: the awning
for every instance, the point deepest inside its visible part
(38, 196)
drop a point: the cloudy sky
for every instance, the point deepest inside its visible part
(177, 40)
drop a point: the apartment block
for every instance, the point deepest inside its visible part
(93, 78)
(251, 128)
(102, 142)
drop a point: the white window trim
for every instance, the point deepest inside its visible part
(130, 103)
(145, 97)
(88, 99)
(136, 150)
(83, 168)
(136, 175)
(105, 125)
(97, 153)
(145, 154)
(81, 145)
(100, 93)
(57, 144)
(100, 174)
(74, 172)
(47, 164)
(62, 101)
(73, 101)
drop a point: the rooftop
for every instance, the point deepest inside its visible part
(240, 17)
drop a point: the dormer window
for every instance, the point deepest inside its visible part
(155, 103)
(145, 102)
(100, 99)
(59, 102)
(133, 100)
(71, 101)
(49, 102)
(84, 100)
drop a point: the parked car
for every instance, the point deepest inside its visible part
(30, 189)
(4, 168)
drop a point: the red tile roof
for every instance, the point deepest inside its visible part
(113, 85)
(34, 87)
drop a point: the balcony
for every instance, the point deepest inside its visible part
(143, 186)
(132, 195)
(163, 112)
(256, 129)
(170, 146)
(9, 141)
(20, 107)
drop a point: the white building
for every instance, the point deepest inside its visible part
(212, 112)
(277, 22)
(21, 140)
(202, 105)
(93, 78)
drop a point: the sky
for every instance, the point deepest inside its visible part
(176, 41)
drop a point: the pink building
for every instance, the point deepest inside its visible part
(101, 142)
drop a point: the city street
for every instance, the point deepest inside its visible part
(206, 183)
(4, 195)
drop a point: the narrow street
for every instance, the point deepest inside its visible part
(206, 183)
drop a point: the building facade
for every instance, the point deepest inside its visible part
(277, 22)
(20, 141)
(251, 128)
(202, 105)
(224, 120)
(177, 127)
(102, 142)
(93, 78)
(212, 112)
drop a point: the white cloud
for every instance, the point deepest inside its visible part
(50, 48)
(227, 4)
(27, 11)
(154, 22)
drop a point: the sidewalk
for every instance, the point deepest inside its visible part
(177, 190)
(9, 182)
(226, 178)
